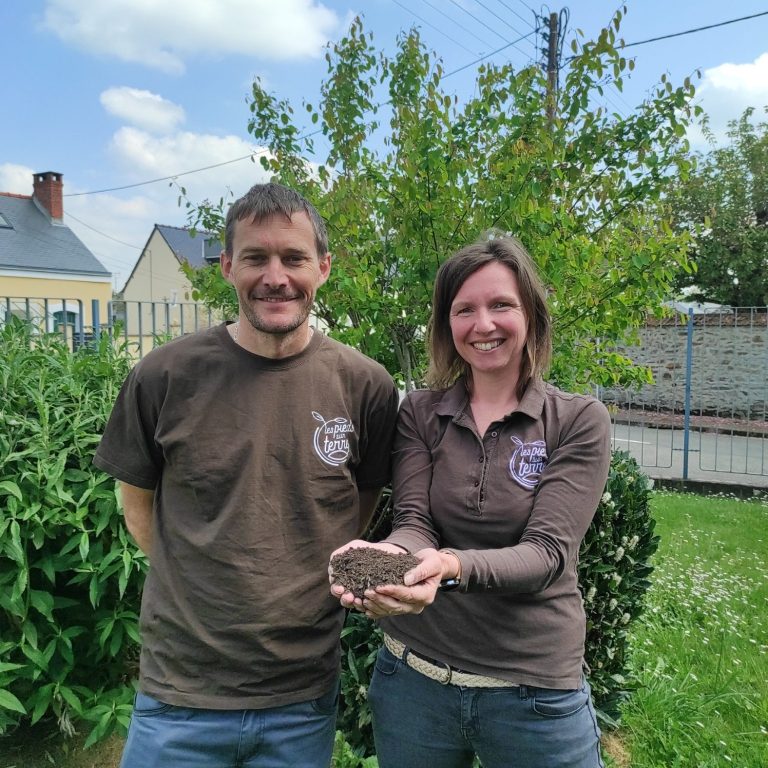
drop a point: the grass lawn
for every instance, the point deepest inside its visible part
(700, 652)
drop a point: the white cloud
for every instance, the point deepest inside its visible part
(16, 179)
(145, 156)
(726, 91)
(144, 153)
(162, 34)
(143, 109)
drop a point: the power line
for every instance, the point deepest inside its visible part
(697, 29)
(492, 53)
(429, 24)
(255, 153)
(463, 29)
(527, 6)
(493, 13)
(478, 20)
(103, 234)
(512, 10)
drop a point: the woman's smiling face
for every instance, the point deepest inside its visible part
(488, 322)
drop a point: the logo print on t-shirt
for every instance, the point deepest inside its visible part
(528, 462)
(331, 442)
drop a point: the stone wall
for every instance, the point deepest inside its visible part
(729, 370)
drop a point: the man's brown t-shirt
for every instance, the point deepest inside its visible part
(256, 465)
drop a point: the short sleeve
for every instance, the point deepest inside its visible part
(128, 450)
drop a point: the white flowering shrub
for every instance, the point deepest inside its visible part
(614, 566)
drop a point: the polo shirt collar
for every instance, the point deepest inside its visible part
(455, 400)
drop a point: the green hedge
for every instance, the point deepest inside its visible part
(613, 574)
(70, 578)
(614, 570)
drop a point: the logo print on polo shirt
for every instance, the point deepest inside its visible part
(331, 441)
(528, 462)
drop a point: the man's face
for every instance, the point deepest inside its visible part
(276, 271)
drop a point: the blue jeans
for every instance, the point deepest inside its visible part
(420, 722)
(294, 736)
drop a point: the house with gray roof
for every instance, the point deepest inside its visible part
(157, 296)
(157, 275)
(46, 272)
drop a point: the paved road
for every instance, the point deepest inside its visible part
(711, 456)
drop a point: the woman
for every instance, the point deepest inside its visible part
(497, 476)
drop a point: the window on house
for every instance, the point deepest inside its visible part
(4, 223)
(64, 321)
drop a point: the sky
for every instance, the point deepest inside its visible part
(117, 93)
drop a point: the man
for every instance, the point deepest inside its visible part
(247, 453)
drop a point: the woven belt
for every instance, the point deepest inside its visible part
(442, 672)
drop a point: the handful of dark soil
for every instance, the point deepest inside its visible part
(365, 567)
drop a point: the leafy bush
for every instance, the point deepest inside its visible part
(70, 578)
(344, 756)
(361, 639)
(613, 574)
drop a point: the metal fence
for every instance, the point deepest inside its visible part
(705, 416)
(141, 324)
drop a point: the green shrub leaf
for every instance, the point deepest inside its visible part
(9, 701)
(8, 487)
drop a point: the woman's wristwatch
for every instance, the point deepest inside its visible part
(447, 585)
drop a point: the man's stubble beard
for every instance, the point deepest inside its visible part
(277, 330)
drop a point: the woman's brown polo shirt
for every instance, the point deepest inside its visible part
(514, 505)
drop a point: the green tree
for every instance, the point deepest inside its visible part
(724, 204)
(411, 175)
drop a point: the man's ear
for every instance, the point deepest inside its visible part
(225, 262)
(325, 267)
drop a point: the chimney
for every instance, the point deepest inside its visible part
(47, 190)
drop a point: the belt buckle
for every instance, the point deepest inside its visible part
(448, 677)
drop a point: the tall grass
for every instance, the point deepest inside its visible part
(701, 649)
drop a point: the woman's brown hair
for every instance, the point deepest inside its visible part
(445, 363)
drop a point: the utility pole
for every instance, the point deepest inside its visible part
(552, 67)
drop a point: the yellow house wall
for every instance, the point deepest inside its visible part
(157, 275)
(56, 291)
(157, 279)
